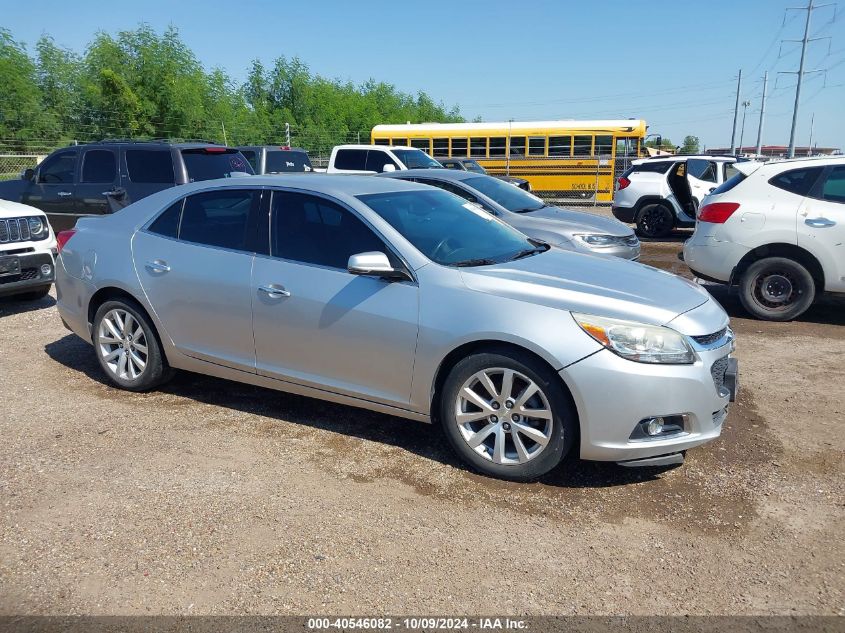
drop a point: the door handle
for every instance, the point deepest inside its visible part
(274, 291)
(64, 194)
(819, 223)
(157, 266)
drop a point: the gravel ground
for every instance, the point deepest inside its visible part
(210, 497)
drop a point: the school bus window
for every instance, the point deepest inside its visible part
(381, 141)
(517, 146)
(421, 143)
(441, 146)
(583, 146)
(560, 145)
(399, 141)
(536, 145)
(497, 146)
(604, 145)
(459, 147)
(478, 147)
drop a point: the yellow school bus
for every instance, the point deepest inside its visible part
(566, 159)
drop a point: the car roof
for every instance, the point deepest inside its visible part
(375, 147)
(154, 143)
(439, 174)
(329, 184)
(281, 148)
(681, 158)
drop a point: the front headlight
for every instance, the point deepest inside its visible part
(596, 240)
(637, 341)
(37, 228)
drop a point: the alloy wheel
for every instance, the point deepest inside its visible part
(122, 344)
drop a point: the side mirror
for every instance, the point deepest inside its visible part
(28, 174)
(374, 264)
(388, 168)
(711, 190)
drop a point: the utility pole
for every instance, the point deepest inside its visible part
(736, 112)
(745, 105)
(762, 114)
(287, 134)
(810, 144)
(801, 72)
(225, 140)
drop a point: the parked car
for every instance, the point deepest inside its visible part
(401, 298)
(662, 193)
(470, 164)
(27, 247)
(103, 177)
(775, 231)
(272, 159)
(374, 159)
(566, 228)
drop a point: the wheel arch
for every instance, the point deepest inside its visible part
(779, 249)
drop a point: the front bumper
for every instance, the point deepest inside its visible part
(640, 391)
(30, 275)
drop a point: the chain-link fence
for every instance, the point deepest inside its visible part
(11, 165)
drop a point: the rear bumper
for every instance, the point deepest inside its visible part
(31, 275)
(712, 259)
(624, 214)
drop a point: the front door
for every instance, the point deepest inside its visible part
(702, 175)
(53, 189)
(821, 226)
(317, 324)
(194, 264)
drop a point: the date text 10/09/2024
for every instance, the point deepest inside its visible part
(412, 624)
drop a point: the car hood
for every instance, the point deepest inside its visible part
(604, 286)
(9, 209)
(580, 221)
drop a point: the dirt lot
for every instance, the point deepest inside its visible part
(214, 497)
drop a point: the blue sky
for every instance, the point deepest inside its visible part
(670, 62)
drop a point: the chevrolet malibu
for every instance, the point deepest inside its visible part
(401, 298)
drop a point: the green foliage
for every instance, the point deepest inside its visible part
(142, 84)
(691, 145)
(664, 143)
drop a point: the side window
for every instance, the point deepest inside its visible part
(251, 156)
(583, 146)
(351, 159)
(376, 160)
(150, 166)
(459, 147)
(448, 186)
(478, 147)
(560, 145)
(381, 141)
(797, 181)
(452, 164)
(604, 145)
(399, 141)
(497, 146)
(537, 146)
(441, 147)
(730, 171)
(517, 146)
(421, 143)
(167, 224)
(99, 165)
(219, 218)
(313, 230)
(58, 169)
(702, 169)
(833, 188)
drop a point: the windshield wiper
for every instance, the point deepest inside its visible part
(474, 262)
(530, 209)
(541, 248)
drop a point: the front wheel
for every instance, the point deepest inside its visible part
(507, 415)
(777, 289)
(655, 220)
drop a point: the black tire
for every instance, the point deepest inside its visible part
(156, 370)
(777, 289)
(35, 295)
(563, 428)
(655, 220)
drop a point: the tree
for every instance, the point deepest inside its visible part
(691, 145)
(661, 142)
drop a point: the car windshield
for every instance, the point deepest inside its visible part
(279, 161)
(473, 166)
(449, 230)
(512, 198)
(416, 159)
(208, 164)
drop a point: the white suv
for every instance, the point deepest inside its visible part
(375, 159)
(663, 192)
(27, 250)
(777, 231)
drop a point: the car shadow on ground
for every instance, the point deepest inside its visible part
(678, 236)
(15, 305)
(828, 310)
(425, 440)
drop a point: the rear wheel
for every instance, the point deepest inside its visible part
(655, 220)
(777, 289)
(507, 415)
(127, 347)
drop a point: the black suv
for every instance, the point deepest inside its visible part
(272, 159)
(103, 177)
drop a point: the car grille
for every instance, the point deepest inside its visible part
(707, 339)
(717, 370)
(25, 275)
(14, 230)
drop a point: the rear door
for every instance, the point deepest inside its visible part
(702, 175)
(147, 170)
(821, 226)
(99, 180)
(194, 263)
(53, 189)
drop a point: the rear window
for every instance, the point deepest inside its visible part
(729, 184)
(415, 159)
(208, 165)
(150, 166)
(279, 161)
(659, 167)
(350, 159)
(797, 181)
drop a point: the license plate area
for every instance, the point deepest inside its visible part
(10, 266)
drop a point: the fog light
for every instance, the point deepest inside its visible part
(654, 426)
(46, 269)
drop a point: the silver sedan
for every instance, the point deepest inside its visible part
(401, 298)
(566, 228)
